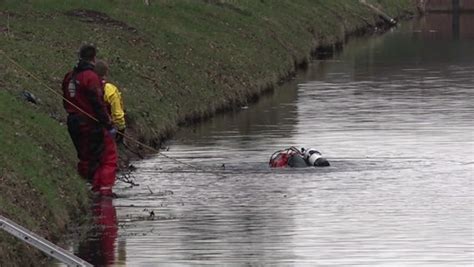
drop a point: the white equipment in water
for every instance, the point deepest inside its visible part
(311, 156)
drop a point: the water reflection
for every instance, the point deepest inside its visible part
(100, 246)
(269, 118)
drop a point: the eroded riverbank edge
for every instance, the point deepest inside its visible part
(178, 79)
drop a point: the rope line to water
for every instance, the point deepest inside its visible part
(95, 119)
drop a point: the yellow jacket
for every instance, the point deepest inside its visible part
(113, 98)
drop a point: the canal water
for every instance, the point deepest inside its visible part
(392, 113)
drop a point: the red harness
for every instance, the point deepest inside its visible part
(280, 158)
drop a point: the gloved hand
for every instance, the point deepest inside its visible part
(119, 136)
(112, 132)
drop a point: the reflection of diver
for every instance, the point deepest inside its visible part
(99, 249)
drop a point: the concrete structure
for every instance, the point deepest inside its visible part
(448, 5)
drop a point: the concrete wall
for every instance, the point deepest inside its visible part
(447, 5)
(447, 26)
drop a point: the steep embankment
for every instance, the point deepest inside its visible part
(175, 61)
(38, 185)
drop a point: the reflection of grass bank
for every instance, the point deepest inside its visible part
(175, 61)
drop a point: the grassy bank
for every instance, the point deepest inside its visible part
(175, 61)
(38, 185)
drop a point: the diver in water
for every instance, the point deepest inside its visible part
(298, 158)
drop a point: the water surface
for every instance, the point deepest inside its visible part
(392, 113)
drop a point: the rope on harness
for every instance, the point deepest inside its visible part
(289, 150)
(95, 119)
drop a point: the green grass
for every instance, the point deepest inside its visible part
(38, 185)
(186, 59)
(174, 61)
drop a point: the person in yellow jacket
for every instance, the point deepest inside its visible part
(113, 98)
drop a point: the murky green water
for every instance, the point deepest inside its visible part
(392, 113)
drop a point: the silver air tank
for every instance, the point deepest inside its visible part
(315, 158)
(311, 155)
